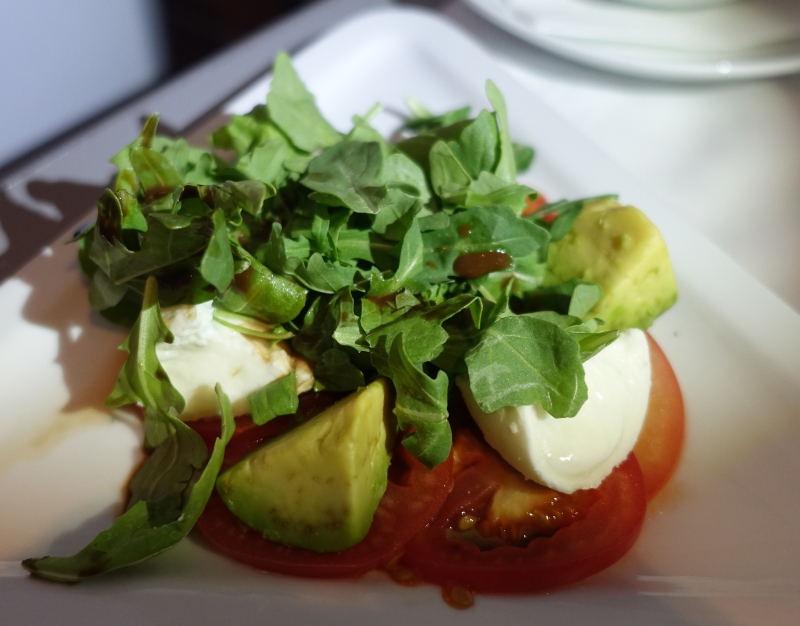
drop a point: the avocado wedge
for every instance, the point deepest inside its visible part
(317, 486)
(620, 249)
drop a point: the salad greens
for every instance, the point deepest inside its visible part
(172, 487)
(409, 260)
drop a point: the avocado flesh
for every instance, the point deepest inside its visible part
(620, 249)
(317, 486)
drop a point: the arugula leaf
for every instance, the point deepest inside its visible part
(316, 334)
(117, 212)
(348, 174)
(143, 530)
(584, 297)
(157, 176)
(216, 266)
(363, 131)
(126, 176)
(524, 276)
(488, 190)
(259, 293)
(142, 378)
(348, 331)
(506, 164)
(244, 132)
(422, 329)
(273, 254)
(500, 309)
(523, 157)
(160, 247)
(322, 276)
(103, 292)
(421, 402)
(171, 489)
(423, 120)
(316, 273)
(194, 165)
(266, 162)
(522, 360)
(434, 221)
(590, 340)
(277, 398)
(424, 338)
(449, 177)
(411, 254)
(394, 219)
(353, 243)
(476, 148)
(407, 176)
(335, 371)
(293, 109)
(380, 311)
(586, 332)
(236, 196)
(173, 221)
(166, 478)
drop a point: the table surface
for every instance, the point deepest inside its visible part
(724, 154)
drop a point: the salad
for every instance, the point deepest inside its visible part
(366, 314)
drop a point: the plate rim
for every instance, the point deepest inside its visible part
(784, 59)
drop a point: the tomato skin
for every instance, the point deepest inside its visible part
(660, 442)
(412, 497)
(585, 547)
(534, 205)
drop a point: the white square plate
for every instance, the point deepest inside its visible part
(720, 545)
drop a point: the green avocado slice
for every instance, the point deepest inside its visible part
(317, 486)
(620, 249)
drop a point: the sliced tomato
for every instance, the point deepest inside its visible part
(412, 497)
(575, 536)
(534, 205)
(660, 443)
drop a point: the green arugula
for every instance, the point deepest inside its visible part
(277, 398)
(172, 487)
(292, 108)
(522, 360)
(372, 251)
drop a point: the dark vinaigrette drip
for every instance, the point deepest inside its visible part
(477, 264)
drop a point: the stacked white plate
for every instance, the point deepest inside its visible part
(661, 39)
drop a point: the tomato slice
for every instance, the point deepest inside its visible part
(534, 205)
(660, 443)
(602, 526)
(412, 497)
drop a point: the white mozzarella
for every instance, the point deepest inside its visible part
(574, 453)
(204, 353)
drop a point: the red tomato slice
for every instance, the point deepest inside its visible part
(412, 497)
(660, 443)
(603, 524)
(534, 205)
